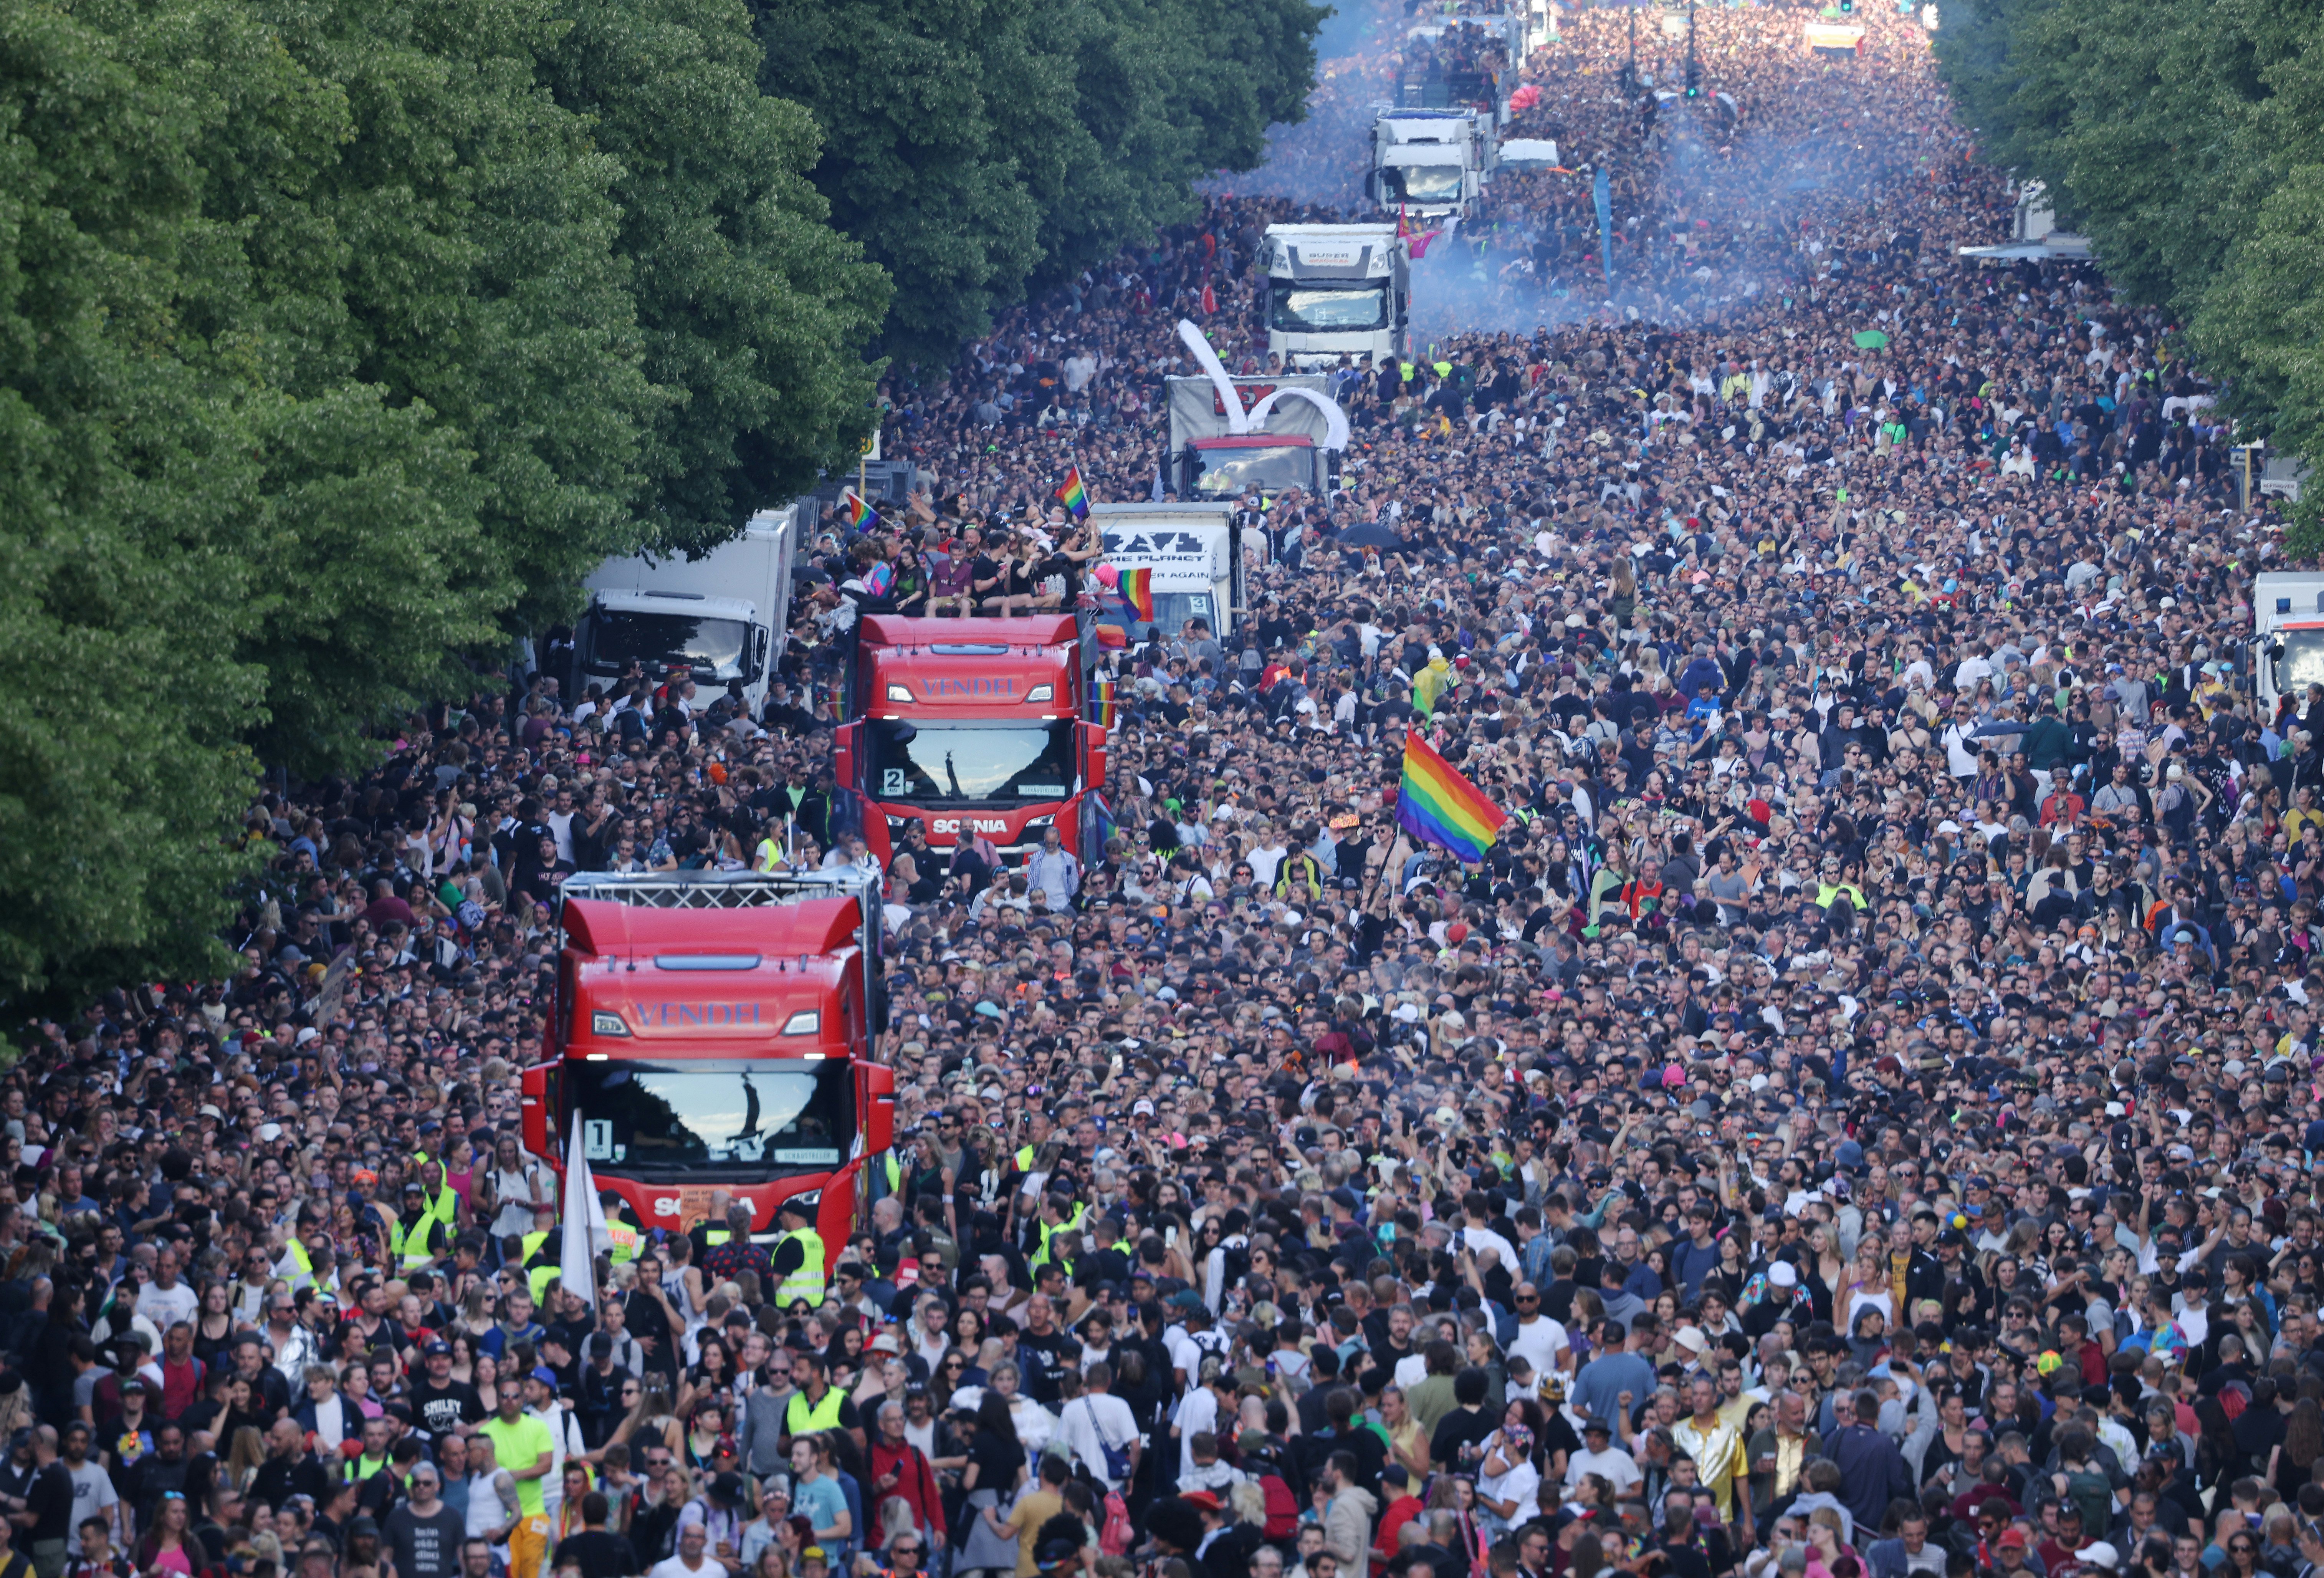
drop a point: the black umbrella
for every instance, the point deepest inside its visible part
(1369, 534)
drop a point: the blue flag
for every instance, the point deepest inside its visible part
(1604, 193)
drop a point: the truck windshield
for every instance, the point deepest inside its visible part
(1429, 183)
(715, 647)
(946, 763)
(2302, 663)
(651, 1120)
(1298, 308)
(1225, 472)
(1171, 612)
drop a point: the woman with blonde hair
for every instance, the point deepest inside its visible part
(245, 1456)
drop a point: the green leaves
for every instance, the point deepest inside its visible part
(750, 310)
(338, 341)
(979, 149)
(2188, 139)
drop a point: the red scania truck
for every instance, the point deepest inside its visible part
(716, 1030)
(973, 724)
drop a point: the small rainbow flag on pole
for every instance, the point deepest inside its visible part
(1137, 594)
(1074, 496)
(1105, 705)
(861, 516)
(1437, 806)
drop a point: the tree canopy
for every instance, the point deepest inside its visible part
(340, 341)
(979, 149)
(2187, 140)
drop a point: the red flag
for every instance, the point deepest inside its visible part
(1210, 300)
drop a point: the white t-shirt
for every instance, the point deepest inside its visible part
(166, 1306)
(1521, 1484)
(1480, 1239)
(1541, 1341)
(93, 1497)
(1617, 1467)
(676, 1567)
(1198, 1412)
(1092, 1419)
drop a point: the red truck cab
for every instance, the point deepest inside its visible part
(974, 724)
(715, 1031)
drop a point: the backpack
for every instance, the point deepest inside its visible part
(1282, 1519)
(2094, 1494)
(1115, 1535)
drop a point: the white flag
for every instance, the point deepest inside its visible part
(584, 1221)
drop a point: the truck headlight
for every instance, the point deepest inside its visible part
(898, 693)
(1040, 693)
(604, 1022)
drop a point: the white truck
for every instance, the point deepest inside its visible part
(2288, 645)
(723, 615)
(1338, 290)
(1209, 462)
(1194, 553)
(1430, 163)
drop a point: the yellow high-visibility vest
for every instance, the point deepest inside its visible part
(806, 1282)
(1072, 1224)
(800, 1419)
(412, 1249)
(625, 1239)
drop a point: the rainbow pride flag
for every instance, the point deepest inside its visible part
(1137, 594)
(1105, 704)
(861, 516)
(1437, 806)
(1074, 496)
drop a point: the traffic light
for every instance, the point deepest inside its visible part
(1693, 80)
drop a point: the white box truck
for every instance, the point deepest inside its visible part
(1195, 555)
(1209, 462)
(723, 615)
(1338, 290)
(2288, 648)
(1430, 163)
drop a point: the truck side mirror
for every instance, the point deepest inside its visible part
(759, 664)
(538, 1119)
(843, 742)
(1093, 763)
(875, 1092)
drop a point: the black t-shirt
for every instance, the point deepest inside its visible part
(429, 1547)
(1043, 1361)
(1461, 1427)
(598, 1553)
(441, 1409)
(51, 1503)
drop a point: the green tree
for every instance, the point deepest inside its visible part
(753, 313)
(981, 148)
(125, 470)
(912, 163)
(2187, 140)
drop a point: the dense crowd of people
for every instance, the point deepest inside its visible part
(1856, 1121)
